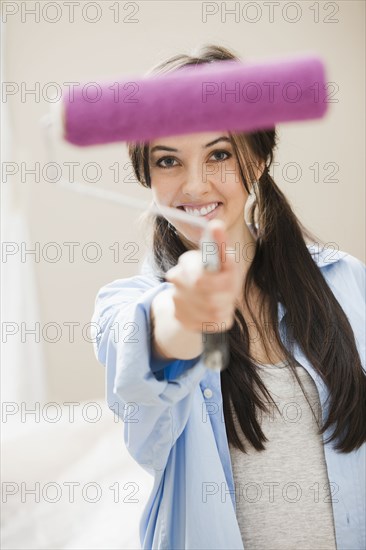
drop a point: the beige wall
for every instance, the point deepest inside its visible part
(61, 52)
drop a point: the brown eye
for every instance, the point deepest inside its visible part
(163, 159)
(228, 155)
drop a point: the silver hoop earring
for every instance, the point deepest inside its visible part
(250, 205)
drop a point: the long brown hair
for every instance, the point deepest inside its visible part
(283, 270)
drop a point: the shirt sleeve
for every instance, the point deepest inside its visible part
(347, 280)
(153, 397)
(359, 274)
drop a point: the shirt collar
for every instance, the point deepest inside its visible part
(324, 256)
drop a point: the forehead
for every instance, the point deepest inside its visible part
(188, 141)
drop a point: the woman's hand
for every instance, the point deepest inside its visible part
(201, 296)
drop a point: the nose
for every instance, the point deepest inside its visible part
(196, 183)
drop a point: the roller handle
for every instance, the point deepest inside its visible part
(216, 349)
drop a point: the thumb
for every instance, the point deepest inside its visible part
(219, 235)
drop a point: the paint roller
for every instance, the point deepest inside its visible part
(227, 95)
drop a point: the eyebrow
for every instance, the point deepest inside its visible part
(165, 148)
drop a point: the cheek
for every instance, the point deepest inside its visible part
(228, 180)
(161, 194)
(165, 192)
(234, 192)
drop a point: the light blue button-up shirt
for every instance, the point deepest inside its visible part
(175, 429)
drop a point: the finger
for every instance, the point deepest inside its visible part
(219, 234)
(177, 276)
(172, 273)
(191, 264)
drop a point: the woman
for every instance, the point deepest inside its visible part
(270, 452)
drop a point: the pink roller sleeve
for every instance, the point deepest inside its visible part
(222, 95)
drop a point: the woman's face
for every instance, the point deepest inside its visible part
(200, 171)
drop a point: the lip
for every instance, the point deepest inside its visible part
(196, 204)
(211, 214)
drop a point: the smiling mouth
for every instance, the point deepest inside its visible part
(203, 211)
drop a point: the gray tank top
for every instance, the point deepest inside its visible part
(283, 495)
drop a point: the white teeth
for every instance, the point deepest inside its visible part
(202, 211)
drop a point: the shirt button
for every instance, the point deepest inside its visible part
(207, 393)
